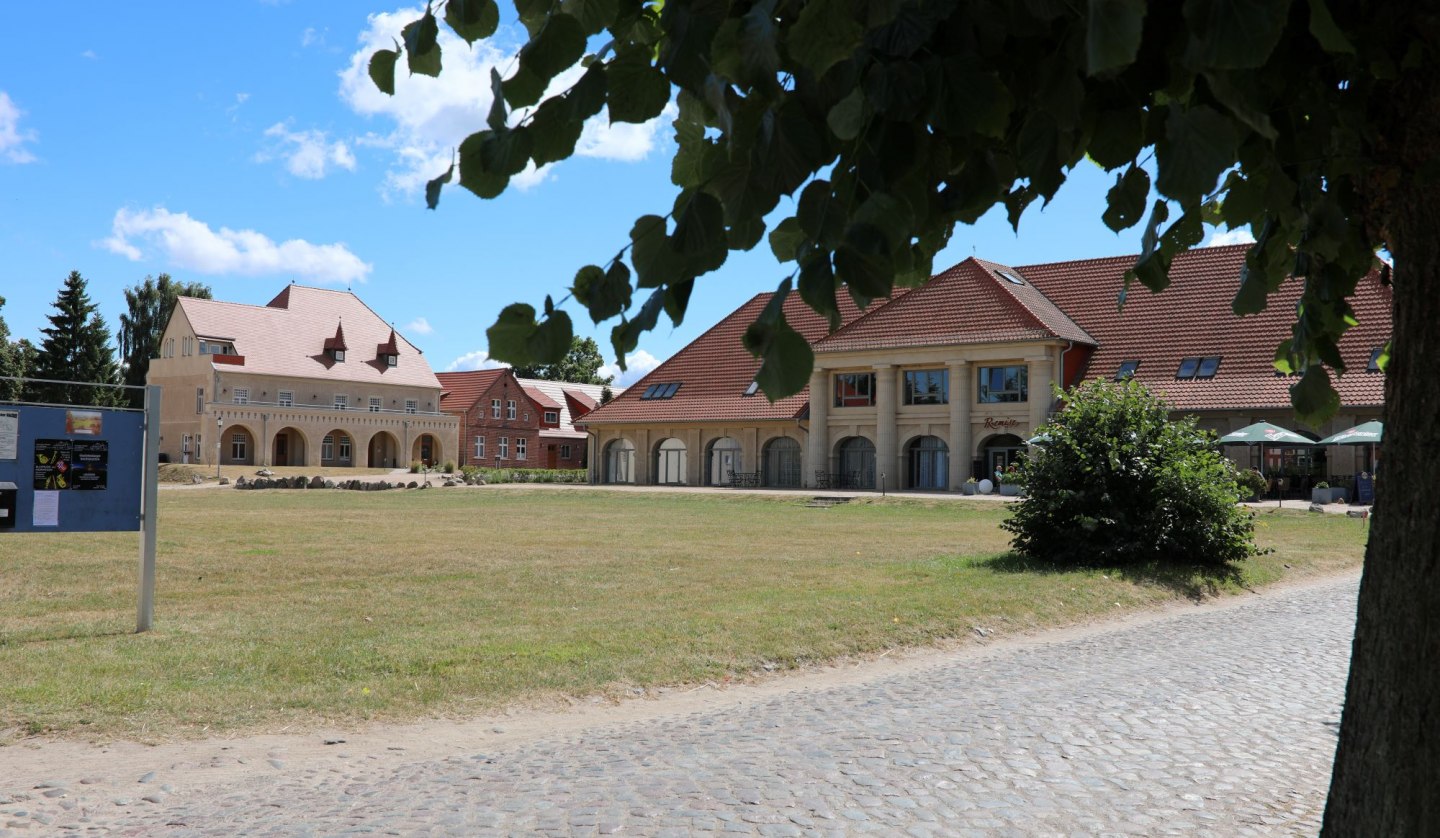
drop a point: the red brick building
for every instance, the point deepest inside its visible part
(510, 422)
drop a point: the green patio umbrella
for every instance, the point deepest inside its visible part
(1369, 434)
(1263, 433)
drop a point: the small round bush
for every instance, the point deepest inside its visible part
(1252, 483)
(1118, 482)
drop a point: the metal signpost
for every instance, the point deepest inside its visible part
(77, 468)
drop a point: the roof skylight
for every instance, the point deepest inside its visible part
(1009, 276)
(1127, 370)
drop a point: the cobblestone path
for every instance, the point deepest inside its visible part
(1215, 722)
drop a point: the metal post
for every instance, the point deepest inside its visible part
(219, 433)
(149, 498)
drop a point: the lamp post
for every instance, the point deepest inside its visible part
(219, 425)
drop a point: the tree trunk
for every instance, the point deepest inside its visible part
(1387, 765)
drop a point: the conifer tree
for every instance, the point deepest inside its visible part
(76, 348)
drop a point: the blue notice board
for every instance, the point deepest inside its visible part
(75, 469)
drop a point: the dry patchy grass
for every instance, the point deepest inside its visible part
(306, 608)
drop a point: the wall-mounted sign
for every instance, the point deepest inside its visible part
(83, 422)
(994, 424)
(9, 434)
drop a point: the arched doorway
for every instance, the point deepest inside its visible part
(670, 462)
(426, 449)
(998, 452)
(619, 462)
(722, 461)
(855, 457)
(337, 450)
(288, 448)
(782, 462)
(383, 451)
(238, 446)
(928, 461)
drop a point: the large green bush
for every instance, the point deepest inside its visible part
(1118, 482)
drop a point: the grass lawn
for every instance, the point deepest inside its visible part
(300, 608)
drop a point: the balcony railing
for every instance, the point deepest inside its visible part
(325, 408)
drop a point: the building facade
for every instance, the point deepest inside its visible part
(314, 378)
(510, 422)
(949, 380)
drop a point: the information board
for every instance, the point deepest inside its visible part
(75, 469)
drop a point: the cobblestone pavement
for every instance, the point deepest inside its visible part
(1219, 721)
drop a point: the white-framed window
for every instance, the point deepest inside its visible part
(564, 452)
(1004, 384)
(503, 449)
(510, 409)
(344, 448)
(552, 417)
(327, 447)
(339, 355)
(494, 408)
(285, 398)
(204, 348)
(238, 442)
(342, 402)
(520, 447)
(199, 399)
(392, 360)
(185, 444)
(242, 395)
(479, 447)
(375, 402)
(412, 405)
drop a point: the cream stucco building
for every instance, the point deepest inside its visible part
(313, 378)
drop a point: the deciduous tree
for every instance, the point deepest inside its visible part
(13, 362)
(1312, 123)
(148, 311)
(580, 365)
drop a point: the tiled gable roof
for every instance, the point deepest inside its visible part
(1192, 318)
(540, 398)
(287, 337)
(969, 303)
(715, 370)
(551, 395)
(461, 389)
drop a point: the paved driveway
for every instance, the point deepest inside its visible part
(1211, 721)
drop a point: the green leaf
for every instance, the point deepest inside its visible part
(422, 49)
(862, 262)
(825, 33)
(973, 99)
(587, 97)
(817, 285)
(1118, 137)
(786, 238)
(1233, 34)
(473, 173)
(700, 225)
(498, 117)
(677, 299)
(1199, 146)
(638, 92)
(506, 152)
(1323, 27)
(744, 48)
(1112, 34)
(655, 263)
(604, 293)
(510, 336)
(787, 363)
(382, 70)
(594, 15)
(557, 47)
(432, 188)
(554, 132)
(533, 13)
(551, 339)
(847, 118)
(472, 19)
(626, 336)
(524, 88)
(1235, 92)
(1314, 398)
(1125, 202)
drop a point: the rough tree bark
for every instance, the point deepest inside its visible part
(1387, 764)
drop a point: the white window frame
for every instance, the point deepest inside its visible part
(552, 416)
(285, 398)
(510, 409)
(520, 446)
(237, 446)
(344, 451)
(392, 360)
(327, 447)
(412, 405)
(502, 451)
(338, 355)
(240, 395)
(494, 408)
(564, 452)
(479, 447)
(199, 399)
(1020, 393)
(376, 403)
(341, 402)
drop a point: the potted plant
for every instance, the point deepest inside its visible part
(1011, 481)
(970, 486)
(1323, 492)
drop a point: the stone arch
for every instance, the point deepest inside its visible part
(619, 461)
(383, 451)
(670, 458)
(337, 449)
(238, 444)
(998, 451)
(927, 464)
(427, 450)
(780, 463)
(289, 447)
(855, 463)
(722, 459)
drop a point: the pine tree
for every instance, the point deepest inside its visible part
(76, 348)
(141, 327)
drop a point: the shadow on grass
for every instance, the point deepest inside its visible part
(39, 636)
(1194, 582)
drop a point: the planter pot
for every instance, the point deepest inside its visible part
(1010, 490)
(967, 488)
(1333, 494)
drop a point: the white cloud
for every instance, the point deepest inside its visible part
(90, 54)
(307, 154)
(1240, 236)
(477, 360)
(12, 138)
(184, 242)
(430, 116)
(419, 326)
(637, 363)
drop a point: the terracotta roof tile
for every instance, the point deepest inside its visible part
(287, 336)
(554, 393)
(1192, 318)
(461, 389)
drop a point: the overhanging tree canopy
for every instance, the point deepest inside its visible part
(1315, 123)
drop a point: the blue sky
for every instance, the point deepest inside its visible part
(240, 144)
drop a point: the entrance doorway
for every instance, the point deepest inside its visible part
(998, 452)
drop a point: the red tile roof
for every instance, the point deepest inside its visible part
(715, 369)
(539, 398)
(287, 336)
(1192, 318)
(461, 389)
(969, 303)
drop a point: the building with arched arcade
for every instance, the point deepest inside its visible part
(314, 378)
(945, 382)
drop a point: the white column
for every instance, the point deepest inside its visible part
(817, 444)
(885, 442)
(959, 440)
(1041, 368)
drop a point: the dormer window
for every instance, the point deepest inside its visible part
(389, 351)
(392, 360)
(335, 347)
(338, 355)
